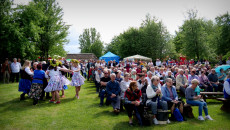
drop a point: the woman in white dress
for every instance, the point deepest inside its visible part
(77, 79)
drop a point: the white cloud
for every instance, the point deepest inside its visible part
(111, 18)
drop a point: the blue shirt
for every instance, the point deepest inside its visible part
(166, 93)
(39, 75)
(220, 74)
(191, 77)
(113, 87)
(213, 77)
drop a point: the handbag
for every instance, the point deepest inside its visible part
(177, 115)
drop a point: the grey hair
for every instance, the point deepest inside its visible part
(15, 59)
(195, 81)
(43, 62)
(35, 63)
(149, 72)
(168, 79)
(181, 70)
(113, 74)
(126, 74)
(133, 71)
(154, 78)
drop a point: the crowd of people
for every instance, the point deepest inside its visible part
(137, 84)
(127, 85)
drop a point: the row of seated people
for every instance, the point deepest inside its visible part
(134, 95)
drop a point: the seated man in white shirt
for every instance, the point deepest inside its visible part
(99, 74)
(158, 62)
(149, 76)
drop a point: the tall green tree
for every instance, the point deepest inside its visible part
(54, 29)
(29, 19)
(222, 45)
(9, 32)
(113, 46)
(90, 42)
(192, 38)
(151, 39)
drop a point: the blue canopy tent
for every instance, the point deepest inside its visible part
(110, 56)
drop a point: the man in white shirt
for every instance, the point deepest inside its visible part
(15, 68)
(99, 75)
(152, 70)
(149, 76)
(19, 61)
(150, 64)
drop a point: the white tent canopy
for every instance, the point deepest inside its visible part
(137, 57)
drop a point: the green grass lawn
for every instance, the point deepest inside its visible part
(85, 113)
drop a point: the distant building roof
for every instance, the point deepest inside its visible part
(81, 56)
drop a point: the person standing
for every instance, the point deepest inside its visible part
(77, 79)
(37, 84)
(54, 85)
(15, 67)
(6, 71)
(19, 61)
(45, 66)
(89, 66)
(26, 78)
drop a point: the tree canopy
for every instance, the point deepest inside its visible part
(90, 42)
(33, 30)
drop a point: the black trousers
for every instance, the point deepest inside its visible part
(45, 83)
(137, 109)
(13, 75)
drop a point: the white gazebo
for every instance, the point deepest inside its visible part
(138, 57)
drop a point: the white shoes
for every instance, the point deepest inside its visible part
(155, 121)
(168, 121)
(200, 118)
(208, 118)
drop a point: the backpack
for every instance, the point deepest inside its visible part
(147, 118)
(177, 115)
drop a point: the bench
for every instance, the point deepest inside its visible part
(226, 104)
(209, 94)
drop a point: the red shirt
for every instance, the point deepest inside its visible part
(181, 63)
